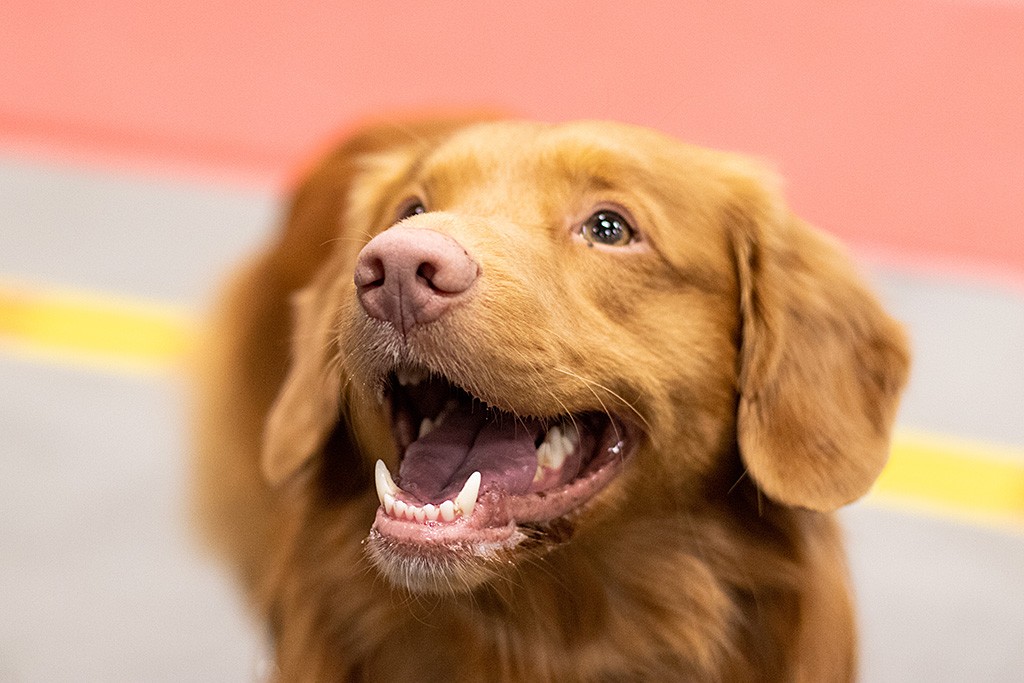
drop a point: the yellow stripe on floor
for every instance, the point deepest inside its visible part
(92, 329)
(925, 472)
(946, 474)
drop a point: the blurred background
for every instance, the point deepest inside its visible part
(145, 147)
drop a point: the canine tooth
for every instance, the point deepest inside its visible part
(389, 503)
(430, 511)
(400, 509)
(385, 484)
(447, 510)
(392, 486)
(466, 499)
(426, 426)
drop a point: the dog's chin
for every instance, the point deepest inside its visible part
(440, 567)
(478, 489)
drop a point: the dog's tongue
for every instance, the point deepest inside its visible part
(499, 446)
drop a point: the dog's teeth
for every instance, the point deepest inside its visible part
(409, 377)
(543, 460)
(427, 426)
(558, 443)
(385, 484)
(387, 492)
(466, 499)
(570, 438)
(392, 486)
(556, 449)
(450, 407)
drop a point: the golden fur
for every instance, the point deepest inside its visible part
(760, 376)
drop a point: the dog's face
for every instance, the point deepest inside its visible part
(540, 329)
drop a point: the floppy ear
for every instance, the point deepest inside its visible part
(307, 408)
(821, 365)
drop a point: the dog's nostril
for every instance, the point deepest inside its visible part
(428, 271)
(370, 274)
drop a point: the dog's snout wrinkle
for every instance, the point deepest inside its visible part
(410, 277)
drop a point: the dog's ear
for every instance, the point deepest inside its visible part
(821, 364)
(306, 409)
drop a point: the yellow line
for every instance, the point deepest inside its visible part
(91, 329)
(944, 474)
(925, 472)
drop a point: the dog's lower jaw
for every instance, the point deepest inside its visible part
(459, 559)
(443, 569)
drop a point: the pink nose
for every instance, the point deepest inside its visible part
(410, 276)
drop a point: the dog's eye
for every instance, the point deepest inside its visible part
(410, 207)
(607, 227)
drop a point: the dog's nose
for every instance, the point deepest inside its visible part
(411, 276)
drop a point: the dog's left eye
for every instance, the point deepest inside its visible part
(409, 208)
(608, 227)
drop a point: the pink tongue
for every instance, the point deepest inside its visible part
(498, 446)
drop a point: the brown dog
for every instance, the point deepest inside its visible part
(514, 401)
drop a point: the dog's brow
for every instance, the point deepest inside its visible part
(599, 168)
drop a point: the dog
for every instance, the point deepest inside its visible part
(516, 401)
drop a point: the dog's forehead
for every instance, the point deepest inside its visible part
(561, 159)
(588, 151)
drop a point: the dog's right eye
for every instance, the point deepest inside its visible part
(607, 227)
(410, 207)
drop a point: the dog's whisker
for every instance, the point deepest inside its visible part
(591, 383)
(738, 480)
(347, 238)
(565, 409)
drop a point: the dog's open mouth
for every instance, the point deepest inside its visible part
(471, 474)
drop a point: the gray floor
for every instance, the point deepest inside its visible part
(99, 580)
(99, 577)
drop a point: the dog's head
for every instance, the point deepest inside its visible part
(535, 329)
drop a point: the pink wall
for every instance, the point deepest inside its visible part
(900, 125)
